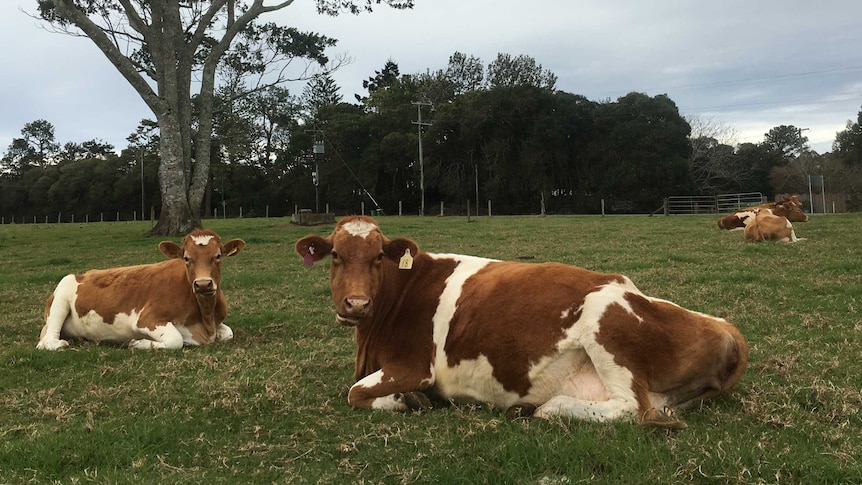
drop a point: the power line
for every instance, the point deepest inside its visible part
(751, 80)
(769, 78)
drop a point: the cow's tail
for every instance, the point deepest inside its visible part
(57, 309)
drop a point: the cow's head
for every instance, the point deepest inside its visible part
(202, 251)
(791, 208)
(361, 256)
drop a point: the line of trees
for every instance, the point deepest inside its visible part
(502, 128)
(213, 74)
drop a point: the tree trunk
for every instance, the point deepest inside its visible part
(178, 217)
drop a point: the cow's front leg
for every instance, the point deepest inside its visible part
(388, 390)
(162, 337)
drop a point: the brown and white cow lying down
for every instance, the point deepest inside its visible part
(789, 207)
(541, 339)
(763, 225)
(161, 305)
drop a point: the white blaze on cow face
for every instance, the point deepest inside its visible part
(360, 228)
(201, 240)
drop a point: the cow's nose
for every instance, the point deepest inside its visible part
(356, 305)
(204, 286)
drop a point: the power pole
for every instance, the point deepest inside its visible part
(419, 105)
(319, 151)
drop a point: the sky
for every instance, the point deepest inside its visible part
(744, 66)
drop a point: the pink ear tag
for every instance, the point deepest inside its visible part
(308, 260)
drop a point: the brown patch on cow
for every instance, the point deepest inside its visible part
(512, 348)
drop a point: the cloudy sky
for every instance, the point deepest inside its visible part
(747, 65)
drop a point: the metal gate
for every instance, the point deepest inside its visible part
(710, 204)
(727, 203)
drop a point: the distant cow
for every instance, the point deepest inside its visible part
(789, 207)
(161, 305)
(766, 226)
(534, 339)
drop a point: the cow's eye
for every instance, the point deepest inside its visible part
(380, 257)
(217, 258)
(187, 259)
(334, 255)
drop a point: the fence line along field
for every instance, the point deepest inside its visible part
(270, 405)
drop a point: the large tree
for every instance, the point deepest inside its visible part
(787, 140)
(320, 91)
(521, 70)
(36, 147)
(848, 143)
(166, 48)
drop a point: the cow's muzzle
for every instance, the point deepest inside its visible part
(353, 309)
(205, 287)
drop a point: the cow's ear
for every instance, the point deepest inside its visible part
(395, 248)
(233, 247)
(313, 248)
(170, 249)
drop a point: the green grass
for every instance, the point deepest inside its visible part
(270, 406)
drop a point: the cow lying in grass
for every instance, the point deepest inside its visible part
(161, 305)
(763, 225)
(789, 207)
(535, 339)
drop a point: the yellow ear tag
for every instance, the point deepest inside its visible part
(406, 261)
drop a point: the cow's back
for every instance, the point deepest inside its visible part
(119, 290)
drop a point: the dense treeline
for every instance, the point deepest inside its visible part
(501, 133)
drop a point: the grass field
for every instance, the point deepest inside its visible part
(270, 406)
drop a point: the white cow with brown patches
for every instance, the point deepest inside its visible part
(534, 339)
(163, 305)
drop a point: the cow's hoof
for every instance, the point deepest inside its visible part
(520, 411)
(52, 344)
(416, 401)
(665, 418)
(223, 332)
(140, 344)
